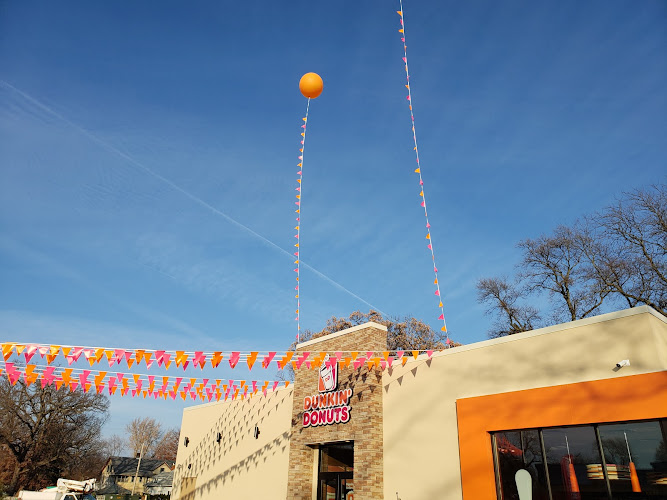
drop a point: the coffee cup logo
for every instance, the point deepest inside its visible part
(328, 375)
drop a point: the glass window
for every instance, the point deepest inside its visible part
(517, 450)
(574, 463)
(636, 459)
(619, 461)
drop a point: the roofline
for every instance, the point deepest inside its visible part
(369, 324)
(561, 327)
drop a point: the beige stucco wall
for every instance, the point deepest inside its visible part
(240, 466)
(421, 457)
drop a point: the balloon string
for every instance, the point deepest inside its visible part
(418, 171)
(299, 189)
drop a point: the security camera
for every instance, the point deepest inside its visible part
(625, 362)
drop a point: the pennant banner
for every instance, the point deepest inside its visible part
(299, 187)
(133, 384)
(418, 171)
(184, 359)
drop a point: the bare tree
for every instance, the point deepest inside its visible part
(618, 254)
(48, 433)
(556, 264)
(167, 447)
(143, 433)
(627, 248)
(114, 446)
(502, 298)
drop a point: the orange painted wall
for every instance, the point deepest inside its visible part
(634, 397)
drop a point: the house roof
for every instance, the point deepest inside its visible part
(128, 465)
(162, 479)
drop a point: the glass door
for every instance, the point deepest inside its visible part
(336, 472)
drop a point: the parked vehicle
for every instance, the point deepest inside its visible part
(65, 489)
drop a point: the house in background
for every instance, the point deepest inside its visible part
(118, 477)
(159, 486)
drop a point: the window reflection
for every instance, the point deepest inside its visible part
(572, 452)
(520, 450)
(635, 456)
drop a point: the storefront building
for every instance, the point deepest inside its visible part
(547, 414)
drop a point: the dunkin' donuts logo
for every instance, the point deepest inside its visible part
(328, 376)
(327, 407)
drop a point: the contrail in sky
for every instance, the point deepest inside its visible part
(176, 187)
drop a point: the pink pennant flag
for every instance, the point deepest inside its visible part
(423, 203)
(234, 359)
(267, 359)
(359, 362)
(369, 354)
(159, 357)
(275, 385)
(254, 386)
(390, 360)
(83, 377)
(199, 359)
(405, 59)
(44, 350)
(430, 353)
(441, 317)
(29, 352)
(437, 292)
(399, 354)
(47, 375)
(149, 363)
(430, 247)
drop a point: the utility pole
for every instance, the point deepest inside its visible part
(141, 454)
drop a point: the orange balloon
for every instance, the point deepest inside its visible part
(311, 85)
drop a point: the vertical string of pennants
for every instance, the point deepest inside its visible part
(418, 171)
(299, 180)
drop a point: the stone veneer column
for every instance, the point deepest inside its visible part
(364, 426)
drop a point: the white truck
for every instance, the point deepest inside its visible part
(65, 489)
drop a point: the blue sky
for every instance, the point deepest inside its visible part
(148, 160)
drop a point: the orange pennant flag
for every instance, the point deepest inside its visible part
(415, 354)
(404, 360)
(251, 359)
(385, 355)
(401, 31)
(136, 376)
(400, 12)
(50, 358)
(66, 350)
(98, 354)
(354, 355)
(7, 350)
(110, 354)
(19, 348)
(444, 328)
(417, 170)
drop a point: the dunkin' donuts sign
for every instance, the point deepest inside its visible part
(329, 406)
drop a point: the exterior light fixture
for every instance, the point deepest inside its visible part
(218, 438)
(256, 433)
(186, 441)
(621, 364)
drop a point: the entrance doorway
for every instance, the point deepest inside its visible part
(336, 472)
